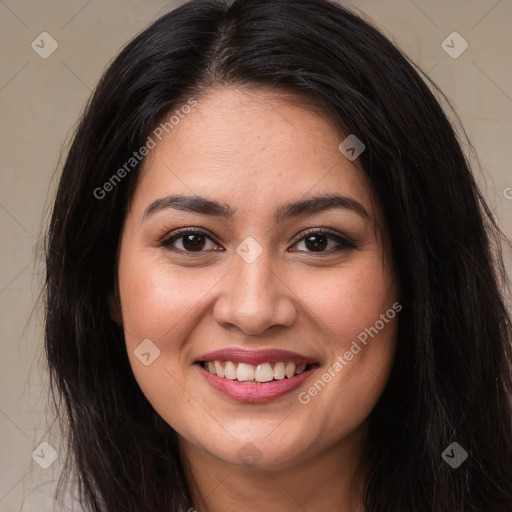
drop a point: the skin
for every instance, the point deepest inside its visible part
(255, 151)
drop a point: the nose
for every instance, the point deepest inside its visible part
(255, 297)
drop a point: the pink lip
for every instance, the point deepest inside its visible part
(253, 392)
(243, 355)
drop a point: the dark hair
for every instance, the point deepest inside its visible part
(451, 378)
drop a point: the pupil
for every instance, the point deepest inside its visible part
(190, 242)
(319, 242)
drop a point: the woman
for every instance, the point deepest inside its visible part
(272, 282)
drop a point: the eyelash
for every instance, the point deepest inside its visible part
(344, 243)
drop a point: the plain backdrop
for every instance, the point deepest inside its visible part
(41, 100)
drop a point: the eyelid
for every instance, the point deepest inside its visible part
(339, 237)
(342, 240)
(168, 237)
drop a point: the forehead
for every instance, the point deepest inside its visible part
(266, 145)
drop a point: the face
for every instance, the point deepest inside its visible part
(294, 305)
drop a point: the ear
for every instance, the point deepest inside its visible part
(114, 306)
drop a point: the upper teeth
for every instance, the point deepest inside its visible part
(260, 373)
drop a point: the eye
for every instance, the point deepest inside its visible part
(325, 240)
(189, 240)
(319, 240)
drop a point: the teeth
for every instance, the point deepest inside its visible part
(279, 371)
(264, 373)
(219, 369)
(211, 367)
(300, 368)
(290, 370)
(230, 370)
(244, 372)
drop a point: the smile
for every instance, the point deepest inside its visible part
(255, 376)
(244, 372)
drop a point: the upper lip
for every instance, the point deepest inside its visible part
(244, 355)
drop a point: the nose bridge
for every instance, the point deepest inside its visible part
(255, 298)
(255, 278)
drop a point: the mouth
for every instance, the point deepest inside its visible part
(261, 373)
(255, 376)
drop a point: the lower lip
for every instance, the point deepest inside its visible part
(254, 392)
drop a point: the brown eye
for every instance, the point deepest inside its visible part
(316, 242)
(320, 240)
(189, 241)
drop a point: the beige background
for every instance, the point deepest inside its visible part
(40, 101)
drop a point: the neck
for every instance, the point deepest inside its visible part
(328, 480)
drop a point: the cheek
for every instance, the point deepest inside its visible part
(157, 303)
(349, 300)
(347, 307)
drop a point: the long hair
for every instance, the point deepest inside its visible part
(451, 377)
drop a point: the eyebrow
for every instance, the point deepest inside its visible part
(203, 206)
